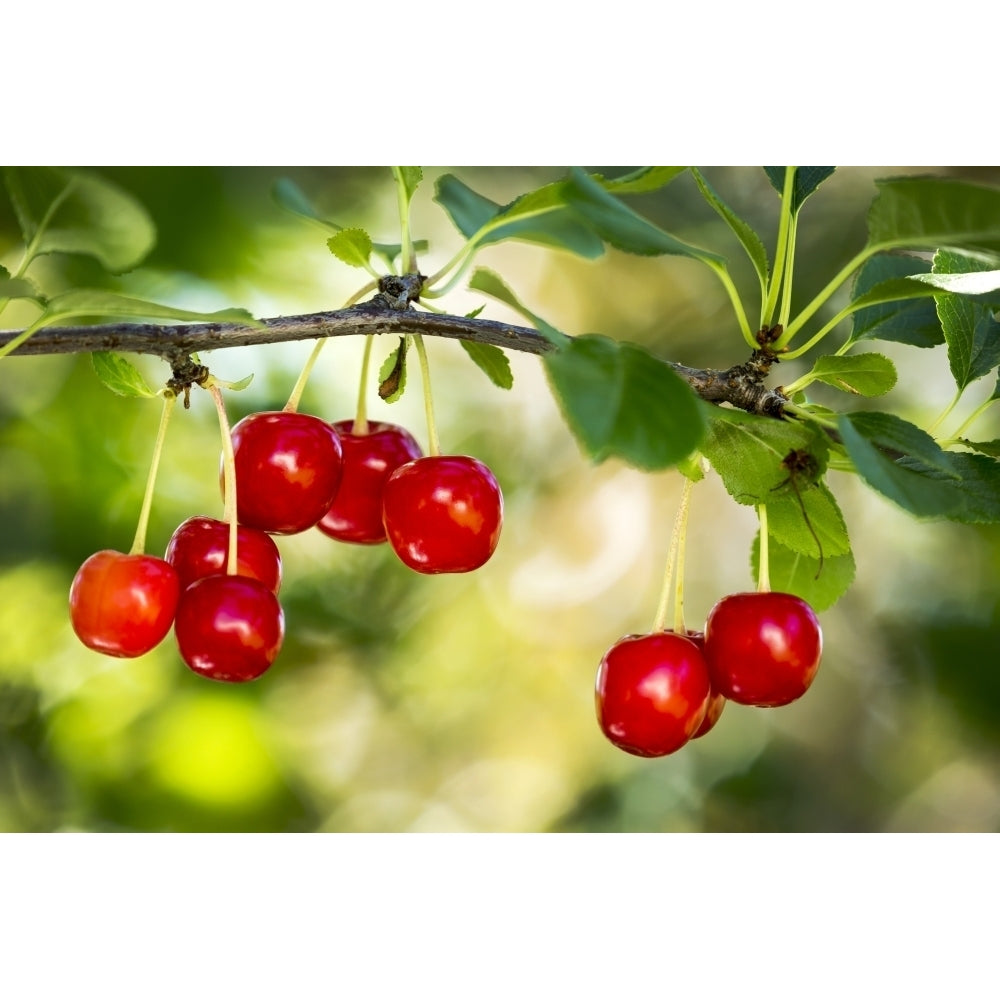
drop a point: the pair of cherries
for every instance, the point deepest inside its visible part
(656, 692)
(442, 514)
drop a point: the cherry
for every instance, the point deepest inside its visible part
(651, 693)
(229, 628)
(288, 469)
(200, 546)
(369, 459)
(443, 513)
(123, 605)
(762, 648)
(716, 701)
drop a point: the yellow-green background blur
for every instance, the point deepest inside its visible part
(465, 703)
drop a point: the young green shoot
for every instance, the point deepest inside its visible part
(433, 444)
(228, 474)
(764, 570)
(139, 542)
(667, 590)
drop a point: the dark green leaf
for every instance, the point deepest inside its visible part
(794, 573)
(932, 212)
(641, 181)
(492, 361)
(807, 179)
(905, 464)
(352, 246)
(744, 233)
(618, 225)
(892, 313)
(991, 448)
(862, 374)
(486, 281)
(120, 375)
(621, 401)
(748, 452)
(805, 518)
(392, 374)
(537, 217)
(971, 332)
(90, 216)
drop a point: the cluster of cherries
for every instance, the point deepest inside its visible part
(360, 484)
(656, 692)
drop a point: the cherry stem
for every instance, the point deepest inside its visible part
(682, 516)
(680, 521)
(361, 414)
(228, 477)
(139, 542)
(433, 444)
(763, 569)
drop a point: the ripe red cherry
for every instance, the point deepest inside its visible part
(288, 469)
(443, 513)
(651, 693)
(762, 648)
(123, 605)
(369, 459)
(716, 702)
(200, 547)
(229, 628)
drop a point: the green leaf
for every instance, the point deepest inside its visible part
(536, 217)
(120, 375)
(971, 332)
(411, 177)
(492, 361)
(621, 401)
(807, 179)
(744, 233)
(618, 225)
(19, 288)
(933, 212)
(991, 448)
(352, 246)
(100, 303)
(797, 507)
(748, 452)
(905, 464)
(641, 181)
(74, 212)
(490, 283)
(392, 374)
(794, 573)
(974, 283)
(866, 374)
(891, 311)
(475, 312)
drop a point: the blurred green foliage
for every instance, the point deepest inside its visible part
(402, 702)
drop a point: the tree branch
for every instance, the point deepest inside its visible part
(741, 386)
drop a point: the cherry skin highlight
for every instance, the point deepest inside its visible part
(443, 513)
(369, 459)
(288, 470)
(762, 649)
(651, 693)
(229, 628)
(200, 547)
(123, 605)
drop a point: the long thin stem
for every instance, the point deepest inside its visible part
(734, 298)
(433, 444)
(786, 291)
(944, 413)
(667, 590)
(972, 418)
(361, 414)
(139, 542)
(228, 477)
(764, 568)
(781, 250)
(679, 626)
(408, 262)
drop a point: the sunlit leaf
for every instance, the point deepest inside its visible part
(641, 181)
(865, 374)
(352, 246)
(19, 288)
(805, 518)
(621, 401)
(410, 177)
(100, 303)
(486, 281)
(82, 213)
(891, 311)
(491, 361)
(793, 572)
(120, 375)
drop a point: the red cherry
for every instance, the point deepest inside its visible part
(229, 628)
(288, 469)
(369, 459)
(200, 547)
(716, 702)
(123, 605)
(443, 513)
(651, 693)
(762, 648)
